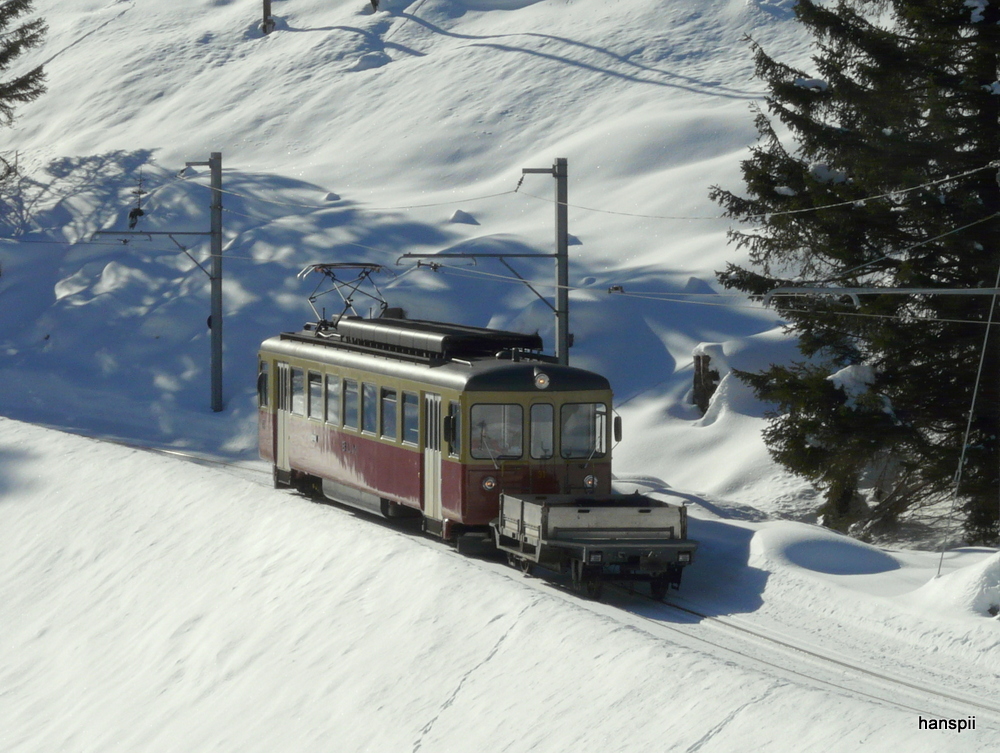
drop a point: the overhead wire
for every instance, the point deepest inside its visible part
(684, 298)
(62, 243)
(406, 17)
(441, 203)
(148, 195)
(861, 200)
(909, 248)
(673, 298)
(968, 425)
(761, 215)
(230, 192)
(334, 243)
(333, 204)
(678, 297)
(665, 297)
(190, 179)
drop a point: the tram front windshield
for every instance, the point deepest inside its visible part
(584, 430)
(496, 431)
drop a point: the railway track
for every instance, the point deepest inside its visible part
(965, 700)
(779, 655)
(795, 659)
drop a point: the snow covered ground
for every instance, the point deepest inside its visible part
(147, 603)
(152, 604)
(326, 124)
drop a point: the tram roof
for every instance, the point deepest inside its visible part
(433, 339)
(443, 354)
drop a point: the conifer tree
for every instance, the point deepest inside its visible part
(897, 127)
(16, 37)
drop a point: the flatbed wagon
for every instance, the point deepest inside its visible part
(597, 538)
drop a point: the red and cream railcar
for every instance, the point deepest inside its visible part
(401, 417)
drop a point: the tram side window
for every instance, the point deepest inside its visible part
(496, 431)
(262, 384)
(369, 407)
(542, 438)
(333, 400)
(298, 392)
(351, 404)
(584, 430)
(315, 395)
(411, 418)
(455, 442)
(388, 428)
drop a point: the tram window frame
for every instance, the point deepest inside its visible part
(369, 408)
(316, 406)
(388, 414)
(263, 383)
(352, 404)
(411, 418)
(534, 425)
(517, 425)
(455, 440)
(334, 398)
(298, 391)
(599, 447)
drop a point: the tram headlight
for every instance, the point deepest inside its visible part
(542, 380)
(489, 483)
(590, 482)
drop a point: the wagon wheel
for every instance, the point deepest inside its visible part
(525, 566)
(585, 581)
(658, 587)
(593, 587)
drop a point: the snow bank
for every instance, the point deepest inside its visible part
(816, 549)
(974, 589)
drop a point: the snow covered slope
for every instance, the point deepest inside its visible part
(151, 604)
(341, 113)
(148, 604)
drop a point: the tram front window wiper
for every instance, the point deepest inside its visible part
(485, 442)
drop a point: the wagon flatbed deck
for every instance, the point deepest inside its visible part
(597, 538)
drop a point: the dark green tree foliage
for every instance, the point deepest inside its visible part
(17, 36)
(904, 93)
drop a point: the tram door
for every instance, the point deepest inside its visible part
(284, 407)
(432, 457)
